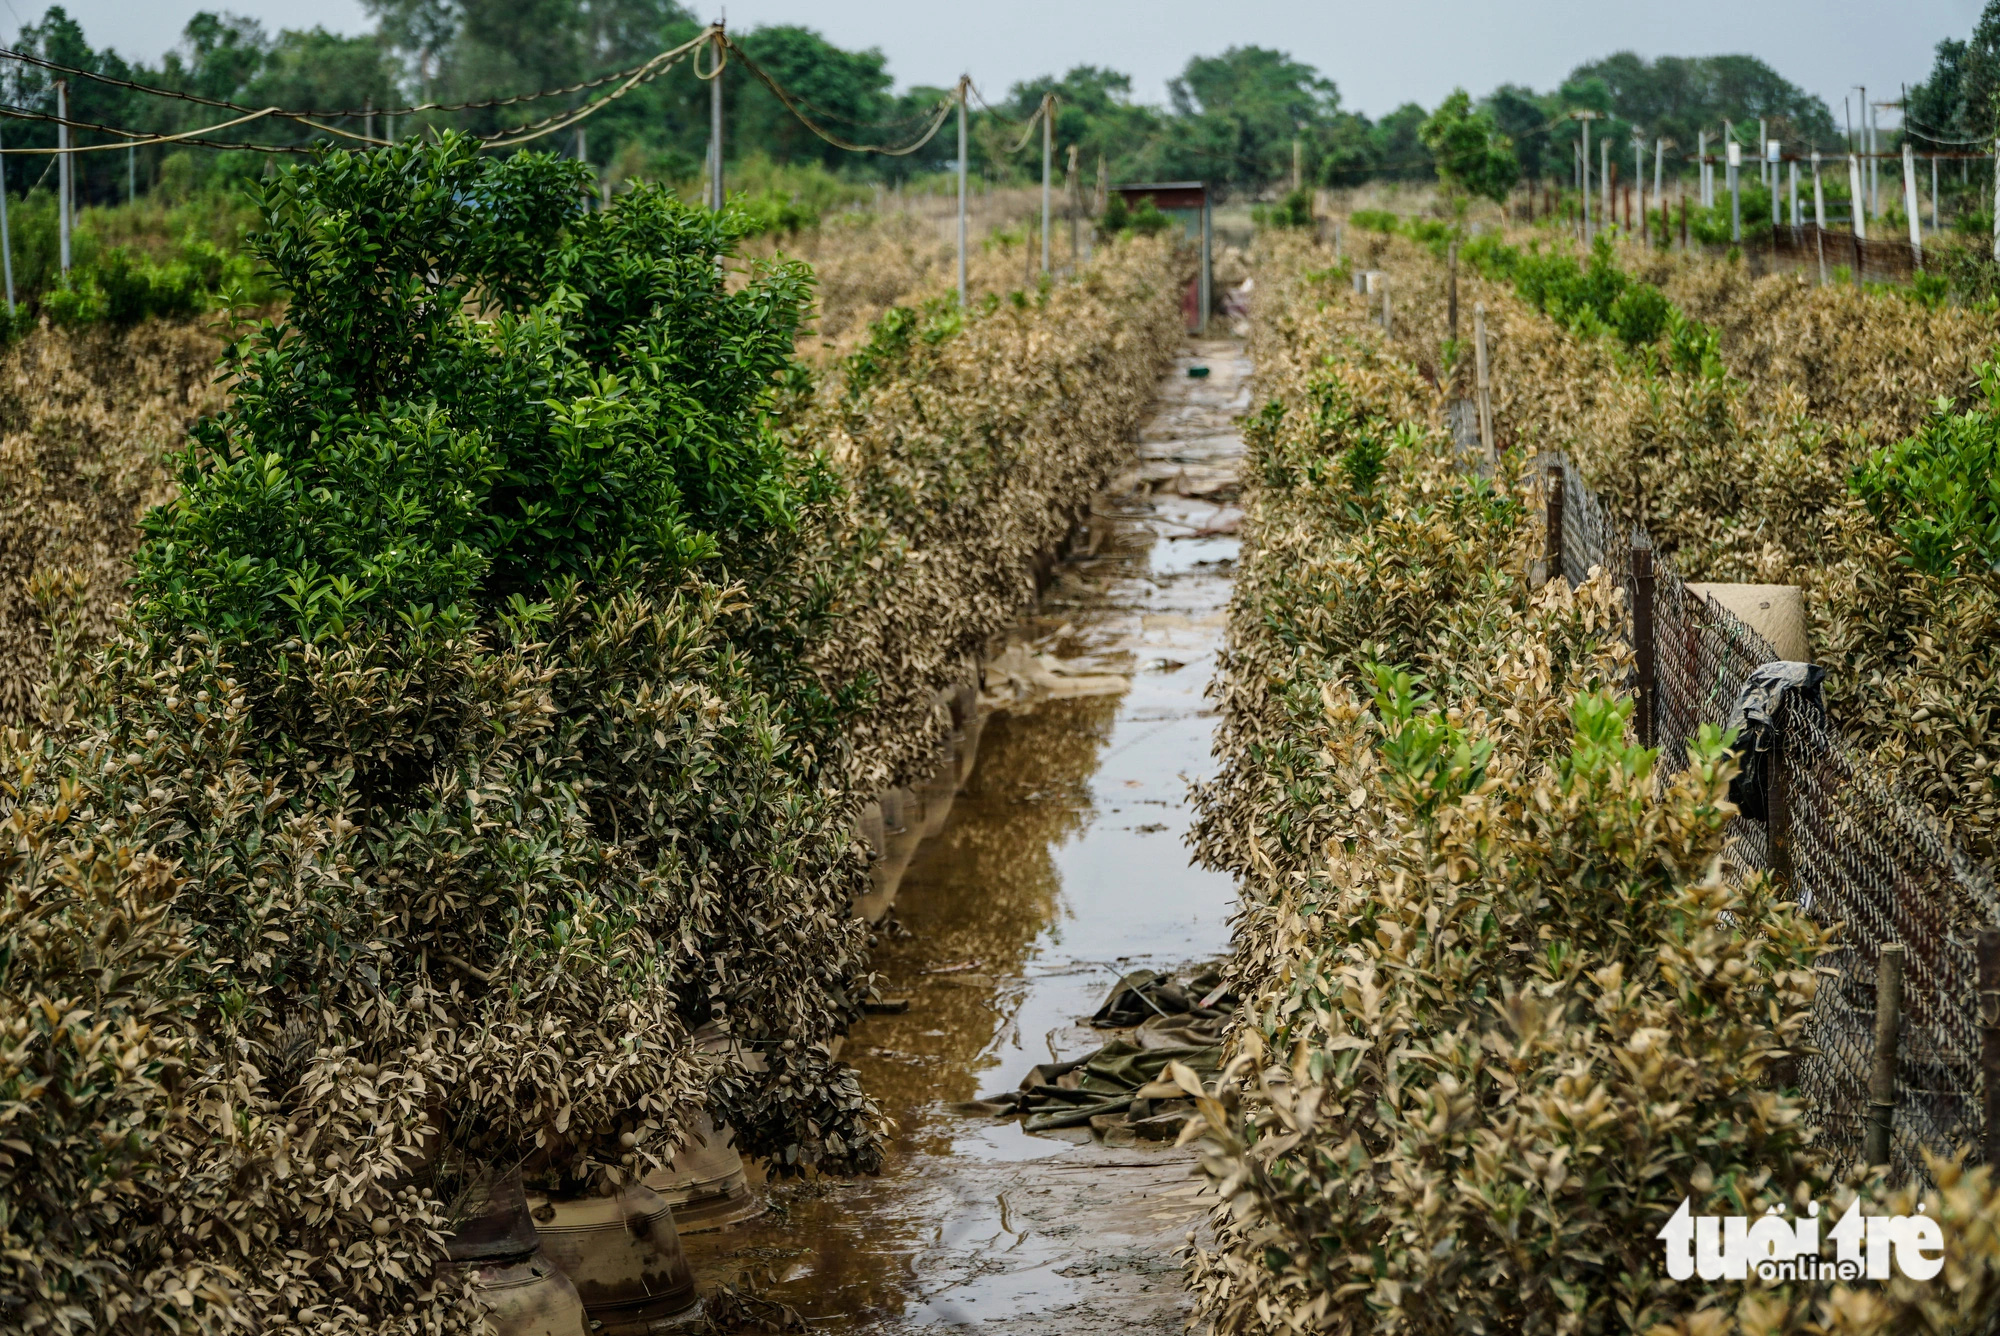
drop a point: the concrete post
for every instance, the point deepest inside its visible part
(62, 169)
(962, 150)
(1048, 159)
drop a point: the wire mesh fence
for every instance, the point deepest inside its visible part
(1876, 260)
(1855, 851)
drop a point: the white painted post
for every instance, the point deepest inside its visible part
(1659, 178)
(1819, 196)
(1910, 202)
(1604, 180)
(62, 172)
(6, 243)
(1854, 188)
(1734, 151)
(1048, 151)
(1797, 217)
(1771, 151)
(1701, 167)
(963, 81)
(1763, 168)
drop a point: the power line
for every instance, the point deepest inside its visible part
(139, 138)
(227, 105)
(937, 114)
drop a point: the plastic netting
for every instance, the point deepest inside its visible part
(1862, 854)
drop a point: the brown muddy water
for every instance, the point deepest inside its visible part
(1061, 866)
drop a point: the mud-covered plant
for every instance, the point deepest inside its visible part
(1505, 1011)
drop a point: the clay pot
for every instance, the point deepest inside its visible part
(874, 832)
(966, 749)
(496, 1225)
(523, 1291)
(705, 1185)
(622, 1254)
(529, 1296)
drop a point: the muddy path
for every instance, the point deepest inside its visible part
(1061, 866)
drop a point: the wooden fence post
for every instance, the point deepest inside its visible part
(1451, 297)
(1552, 550)
(1642, 638)
(1989, 1040)
(1888, 1029)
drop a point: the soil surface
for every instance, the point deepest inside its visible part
(1062, 866)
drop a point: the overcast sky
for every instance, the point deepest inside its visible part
(1381, 53)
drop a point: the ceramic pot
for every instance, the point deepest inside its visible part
(523, 1291)
(529, 1296)
(705, 1185)
(623, 1255)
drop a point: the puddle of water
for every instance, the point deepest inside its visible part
(1062, 866)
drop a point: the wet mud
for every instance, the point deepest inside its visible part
(1061, 866)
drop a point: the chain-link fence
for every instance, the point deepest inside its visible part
(1855, 850)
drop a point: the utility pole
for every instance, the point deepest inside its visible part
(62, 173)
(1819, 196)
(964, 80)
(6, 244)
(1583, 160)
(1853, 145)
(1875, 160)
(716, 198)
(1074, 190)
(1048, 150)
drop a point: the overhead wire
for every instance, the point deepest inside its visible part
(136, 139)
(644, 72)
(932, 119)
(640, 74)
(938, 114)
(227, 105)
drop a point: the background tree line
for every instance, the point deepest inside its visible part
(1236, 118)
